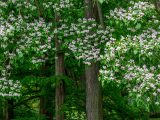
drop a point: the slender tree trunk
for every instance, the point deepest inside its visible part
(46, 100)
(100, 14)
(157, 6)
(49, 111)
(38, 7)
(6, 117)
(8, 112)
(1, 109)
(42, 110)
(93, 87)
(59, 70)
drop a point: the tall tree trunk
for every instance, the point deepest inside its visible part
(1, 109)
(46, 99)
(44, 110)
(93, 87)
(157, 6)
(93, 91)
(8, 112)
(100, 14)
(59, 70)
(59, 86)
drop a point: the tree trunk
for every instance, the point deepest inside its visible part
(8, 112)
(59, 70)
(93, 91)
(100, 14)
(46, 99)
(157, 6)
(59, 86)
(1, 109)
(43, 110)
(93, 87)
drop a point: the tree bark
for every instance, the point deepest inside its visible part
(1, 109)
(93, 91)
(8, 112)
(59, 70)
(93, 86)
(157, 6)
(100, 14)
(59, 86)
(43, 110)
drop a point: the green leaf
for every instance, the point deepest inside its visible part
(138, 26)
(101, 1)
(135, 51)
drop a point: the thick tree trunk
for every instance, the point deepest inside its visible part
(59, 70)
(93, 87)
(93, 91)
(59, 86)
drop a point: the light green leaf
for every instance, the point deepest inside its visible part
(138, 26)
(101, 1)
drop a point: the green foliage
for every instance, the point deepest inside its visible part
(24, 113)
(128, 51)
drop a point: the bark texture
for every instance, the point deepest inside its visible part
(1, 108)
(93, 91)
(8, 112)
(93, 87)
(59, 70)
(59, 86)
(44, 108)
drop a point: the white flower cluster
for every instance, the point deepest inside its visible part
(141, 82)
(120, 66)
(35, 37)
(135, 12)
(63, 31)
(19, 39)
(2, 30)
(2, 4)
(63, 4)
(145, 78)
(132, 62)
(9, 87)
(144, 45)
(89, 38)
(37, 41)
(30, 6)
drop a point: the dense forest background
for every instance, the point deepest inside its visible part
(79, 59)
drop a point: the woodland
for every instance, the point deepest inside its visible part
(79, 59)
